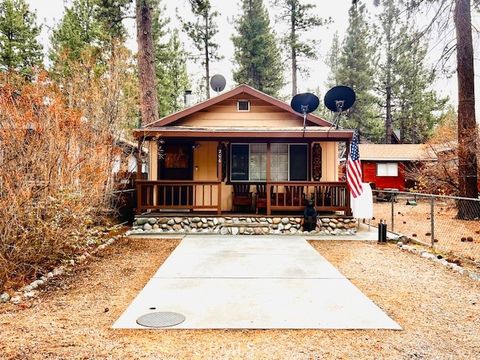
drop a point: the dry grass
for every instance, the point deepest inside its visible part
(438, 309)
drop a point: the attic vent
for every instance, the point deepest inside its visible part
(243, 105)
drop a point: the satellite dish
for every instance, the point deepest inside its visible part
(218, 82)
(339, 98)
(304, 104)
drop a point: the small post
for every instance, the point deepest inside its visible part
(432, 220)
(393, 210)
(219, 178)
(268, 187)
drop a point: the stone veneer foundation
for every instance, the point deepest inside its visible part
(157, 224)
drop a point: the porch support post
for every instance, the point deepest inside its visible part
(139, 176)
(347, 192)
(219, 177)
(268, 187)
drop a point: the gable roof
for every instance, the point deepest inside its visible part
(242, 89)
(396, 152)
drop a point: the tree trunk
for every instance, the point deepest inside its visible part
(146, 63)
(388, 119)
(293, 46)
(467, 130)
(207, 58)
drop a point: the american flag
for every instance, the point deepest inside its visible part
(354, 168)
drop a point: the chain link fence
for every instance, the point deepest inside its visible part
(432, 220)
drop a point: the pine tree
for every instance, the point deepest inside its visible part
(257, 54)
(415, 101)
(355, 69)
(170, 64)
(390, 34)
(78, 33)
(146, 62)
(19, 47)
(299, 20)
(333, 61)
(202, 32)
(404, 78)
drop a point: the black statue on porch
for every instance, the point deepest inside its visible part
(309, 217)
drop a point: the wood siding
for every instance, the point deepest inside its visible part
(225, 113)
(369, 169)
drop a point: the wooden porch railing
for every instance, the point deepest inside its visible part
(206, 195)
(176, 194)
(326, 196)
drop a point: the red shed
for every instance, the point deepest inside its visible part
(384, 165)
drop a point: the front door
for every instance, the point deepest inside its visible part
(176, 164)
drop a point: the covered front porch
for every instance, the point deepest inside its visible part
(259, 173)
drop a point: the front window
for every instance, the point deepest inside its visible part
(289, 162)
(387, 169)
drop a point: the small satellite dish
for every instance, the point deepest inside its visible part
(218, 82)
(339, 98)
(304, 104)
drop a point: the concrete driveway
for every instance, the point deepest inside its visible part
(254, 282)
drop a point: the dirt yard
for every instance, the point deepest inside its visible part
(457, 237)
(438, 309)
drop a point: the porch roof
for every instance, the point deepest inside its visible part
(311, 132)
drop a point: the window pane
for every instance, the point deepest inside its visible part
(258, 162)
(387, 169)
(279, 164)
(298, 162)
(240, 162)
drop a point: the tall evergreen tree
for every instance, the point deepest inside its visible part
(202, 32)
(389, 19)
(170, 64)
(257, 54)
(404, 79)
(415, 101)
(146, 62)
(355, 69)
(299, 18)
(19, 47)
(333, 61)
(78, 32)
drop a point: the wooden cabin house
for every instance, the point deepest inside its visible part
(241, 152)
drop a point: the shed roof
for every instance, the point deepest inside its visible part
(396, 152)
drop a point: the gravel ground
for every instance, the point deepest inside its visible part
(414, 221)
(438, 309)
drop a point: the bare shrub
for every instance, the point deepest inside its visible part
(55, 166)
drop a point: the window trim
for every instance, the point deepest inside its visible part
(230, 180)
(243, 100)
(387, 163)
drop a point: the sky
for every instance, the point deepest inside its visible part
(49, 12)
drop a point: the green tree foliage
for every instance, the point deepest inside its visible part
(202, 32)
(88, 49)
(415, 103)
(257, 54)
(170, 64)
(78, 35)
(355, 68)
(19, 47)
(404, 79)
(299, 19)
(333, 61)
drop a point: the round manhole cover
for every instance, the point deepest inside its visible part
(160, 319)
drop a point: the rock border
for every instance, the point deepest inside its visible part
(228, 225)
(31, 290)
(440, 260)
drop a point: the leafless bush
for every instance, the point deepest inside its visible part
(54, 169)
